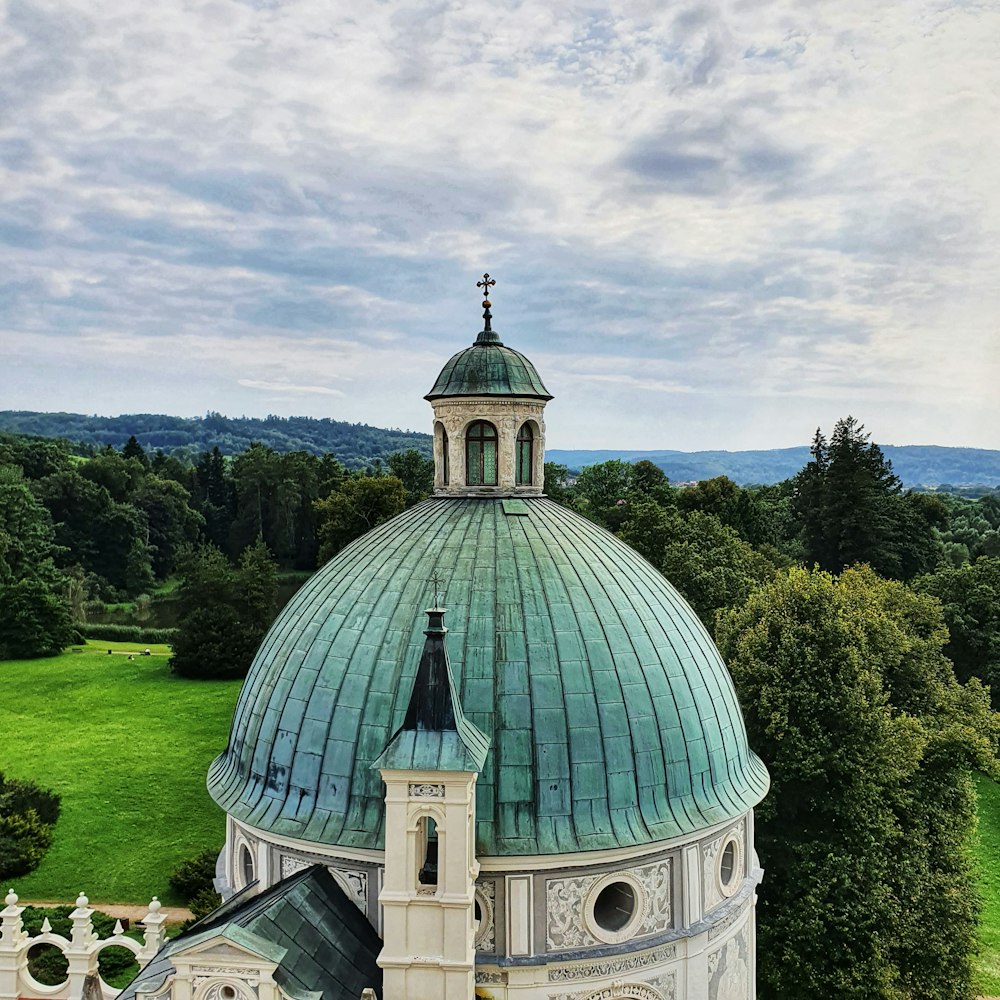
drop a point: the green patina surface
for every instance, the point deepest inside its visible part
(488, 368)
(612, 718)
(324, 947)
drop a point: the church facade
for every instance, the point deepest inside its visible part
(486, 751)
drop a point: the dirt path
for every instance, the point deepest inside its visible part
(120, 911)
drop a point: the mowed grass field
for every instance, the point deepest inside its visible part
(986, 852)
(127, 745)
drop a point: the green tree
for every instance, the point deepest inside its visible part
(870, 742)
(119, 475)
(557, 485)
(706, 561)
(27, 537)
(34, 620)
(359, 504)
(172, 521)
(851, 509)
(735, 507)
(224, 612)
(214, 496)
(970, 596)
(132, 449)
(415, 472)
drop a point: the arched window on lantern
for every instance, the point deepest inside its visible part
(525, 455)
(481, 454)
(443, 442)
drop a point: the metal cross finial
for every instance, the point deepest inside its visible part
(438, 592)
(485, 285)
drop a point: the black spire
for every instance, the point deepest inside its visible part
(431, 706)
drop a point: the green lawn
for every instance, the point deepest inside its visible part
(127, 746)
(986, 849)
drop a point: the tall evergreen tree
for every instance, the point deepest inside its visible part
(851, 509)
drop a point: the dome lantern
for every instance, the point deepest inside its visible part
(489, 432)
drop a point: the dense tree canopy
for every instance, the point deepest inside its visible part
(706, 561)
(970, 596)
(870, 742)
(359, 504)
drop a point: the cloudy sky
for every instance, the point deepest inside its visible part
(713, 225)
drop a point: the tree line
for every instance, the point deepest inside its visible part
(860, 622)
(75, 530)
(356, 446)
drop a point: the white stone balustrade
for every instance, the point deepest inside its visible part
(82, 950)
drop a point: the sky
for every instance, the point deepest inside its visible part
(712, 225)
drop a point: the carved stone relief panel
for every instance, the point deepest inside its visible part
(291, 864)
(486, 895)
(666, 984)
(729, 970)
(564, 925)
(566, 910)
(627, 991)
(233, 987)
(426, 791)
(656, 880)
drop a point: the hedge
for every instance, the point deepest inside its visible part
(128, 633)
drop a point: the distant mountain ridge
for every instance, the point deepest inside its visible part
(915, 464)
(358, 445)
(355, 445)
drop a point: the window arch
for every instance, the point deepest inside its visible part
(443, 441)
(481, 454)
(427, 853)
(525, 455)
(247, 865)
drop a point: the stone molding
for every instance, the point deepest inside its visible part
(611, 966)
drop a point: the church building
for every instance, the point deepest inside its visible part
(486, 751)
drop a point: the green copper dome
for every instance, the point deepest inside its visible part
(612, 719)
(488, 368)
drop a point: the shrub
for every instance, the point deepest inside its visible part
(24, 839)
(203, 904)
(27, 816)
(195, 875)
(20, 796)
(128, 633)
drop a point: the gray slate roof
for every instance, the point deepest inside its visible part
(324, 946)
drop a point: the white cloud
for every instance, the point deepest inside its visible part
(287, 387)
(771, 209)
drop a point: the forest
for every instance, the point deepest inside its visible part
(971, 471)
(860, 622)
